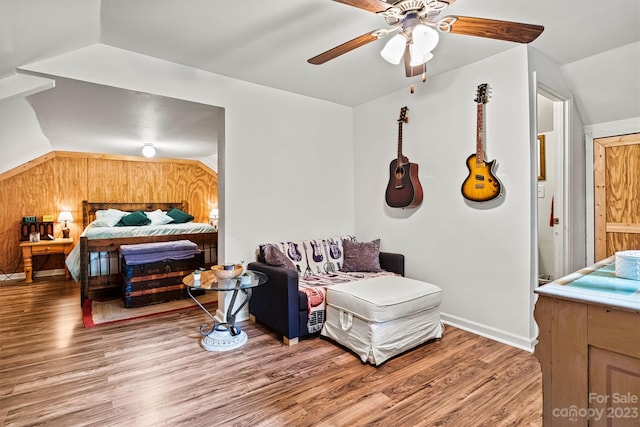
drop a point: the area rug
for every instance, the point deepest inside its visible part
(96, 313)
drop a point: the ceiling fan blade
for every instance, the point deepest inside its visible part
(342, 49)
(408, 69)
(493, 29)
(374, 6)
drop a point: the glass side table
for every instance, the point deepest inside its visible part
(225, 335)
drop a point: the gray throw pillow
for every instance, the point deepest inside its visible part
(362, 257)
(274, 256)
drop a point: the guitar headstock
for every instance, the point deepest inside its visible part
(403, 115)
(483, 93)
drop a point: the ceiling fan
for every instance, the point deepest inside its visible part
(417, 24)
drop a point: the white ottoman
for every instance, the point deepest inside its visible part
(381, 317)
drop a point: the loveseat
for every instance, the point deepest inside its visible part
(280, 303)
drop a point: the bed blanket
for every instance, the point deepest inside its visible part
(144, 253)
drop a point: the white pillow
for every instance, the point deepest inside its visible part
(158, 217)
(109, 217)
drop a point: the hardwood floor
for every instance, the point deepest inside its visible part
(152, 371)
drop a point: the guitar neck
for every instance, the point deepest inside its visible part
(399, 142)
(480, 134)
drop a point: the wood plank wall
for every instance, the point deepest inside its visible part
(62, 180)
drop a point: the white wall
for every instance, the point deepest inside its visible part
(480, 255)
(20, 133)
(607, 85)
(286, 160)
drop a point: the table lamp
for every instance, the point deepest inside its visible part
(65, 216)
(213, 217)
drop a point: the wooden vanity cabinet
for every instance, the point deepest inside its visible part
(590, 359)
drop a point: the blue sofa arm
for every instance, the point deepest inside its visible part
(277, 303)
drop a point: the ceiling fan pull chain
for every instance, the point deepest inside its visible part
(424, 78)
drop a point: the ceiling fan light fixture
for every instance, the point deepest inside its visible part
(418, 57)
(393, 51)
(423, 40)
(425, 37)
(148, 150)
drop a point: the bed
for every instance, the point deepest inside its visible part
(95, 261)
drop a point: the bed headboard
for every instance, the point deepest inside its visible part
(89, 208)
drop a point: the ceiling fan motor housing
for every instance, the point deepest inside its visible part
(412, 12)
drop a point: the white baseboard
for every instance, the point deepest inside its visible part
(504, 337)
(20, 275)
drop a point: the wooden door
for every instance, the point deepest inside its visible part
(616, 176)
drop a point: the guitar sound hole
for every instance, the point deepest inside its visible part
(399, 173)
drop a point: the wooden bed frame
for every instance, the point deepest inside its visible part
(107, 285)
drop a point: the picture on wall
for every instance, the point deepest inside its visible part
(542, 163)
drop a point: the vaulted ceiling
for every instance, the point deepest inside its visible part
(269, 41)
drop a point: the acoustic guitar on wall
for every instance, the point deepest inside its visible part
(404, 189)
(481, 185)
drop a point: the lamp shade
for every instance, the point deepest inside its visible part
(65, 216)
(418, 57)
(393, 51)
(424, 40)
(213, 217)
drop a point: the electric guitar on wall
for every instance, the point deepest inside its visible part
(404, 189)
(481, 184)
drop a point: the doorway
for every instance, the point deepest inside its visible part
(550, 153)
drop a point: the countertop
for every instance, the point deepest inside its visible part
(611, 291)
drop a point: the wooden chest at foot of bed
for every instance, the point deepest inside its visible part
(157, 282)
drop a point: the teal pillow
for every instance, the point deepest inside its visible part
(135, 218)
(179, 216)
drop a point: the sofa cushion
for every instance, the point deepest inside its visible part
(386, 298)
(362, 257)
(319, 283)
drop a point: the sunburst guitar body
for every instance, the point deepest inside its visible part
(481, 185)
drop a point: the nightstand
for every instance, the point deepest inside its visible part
(44, 247)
